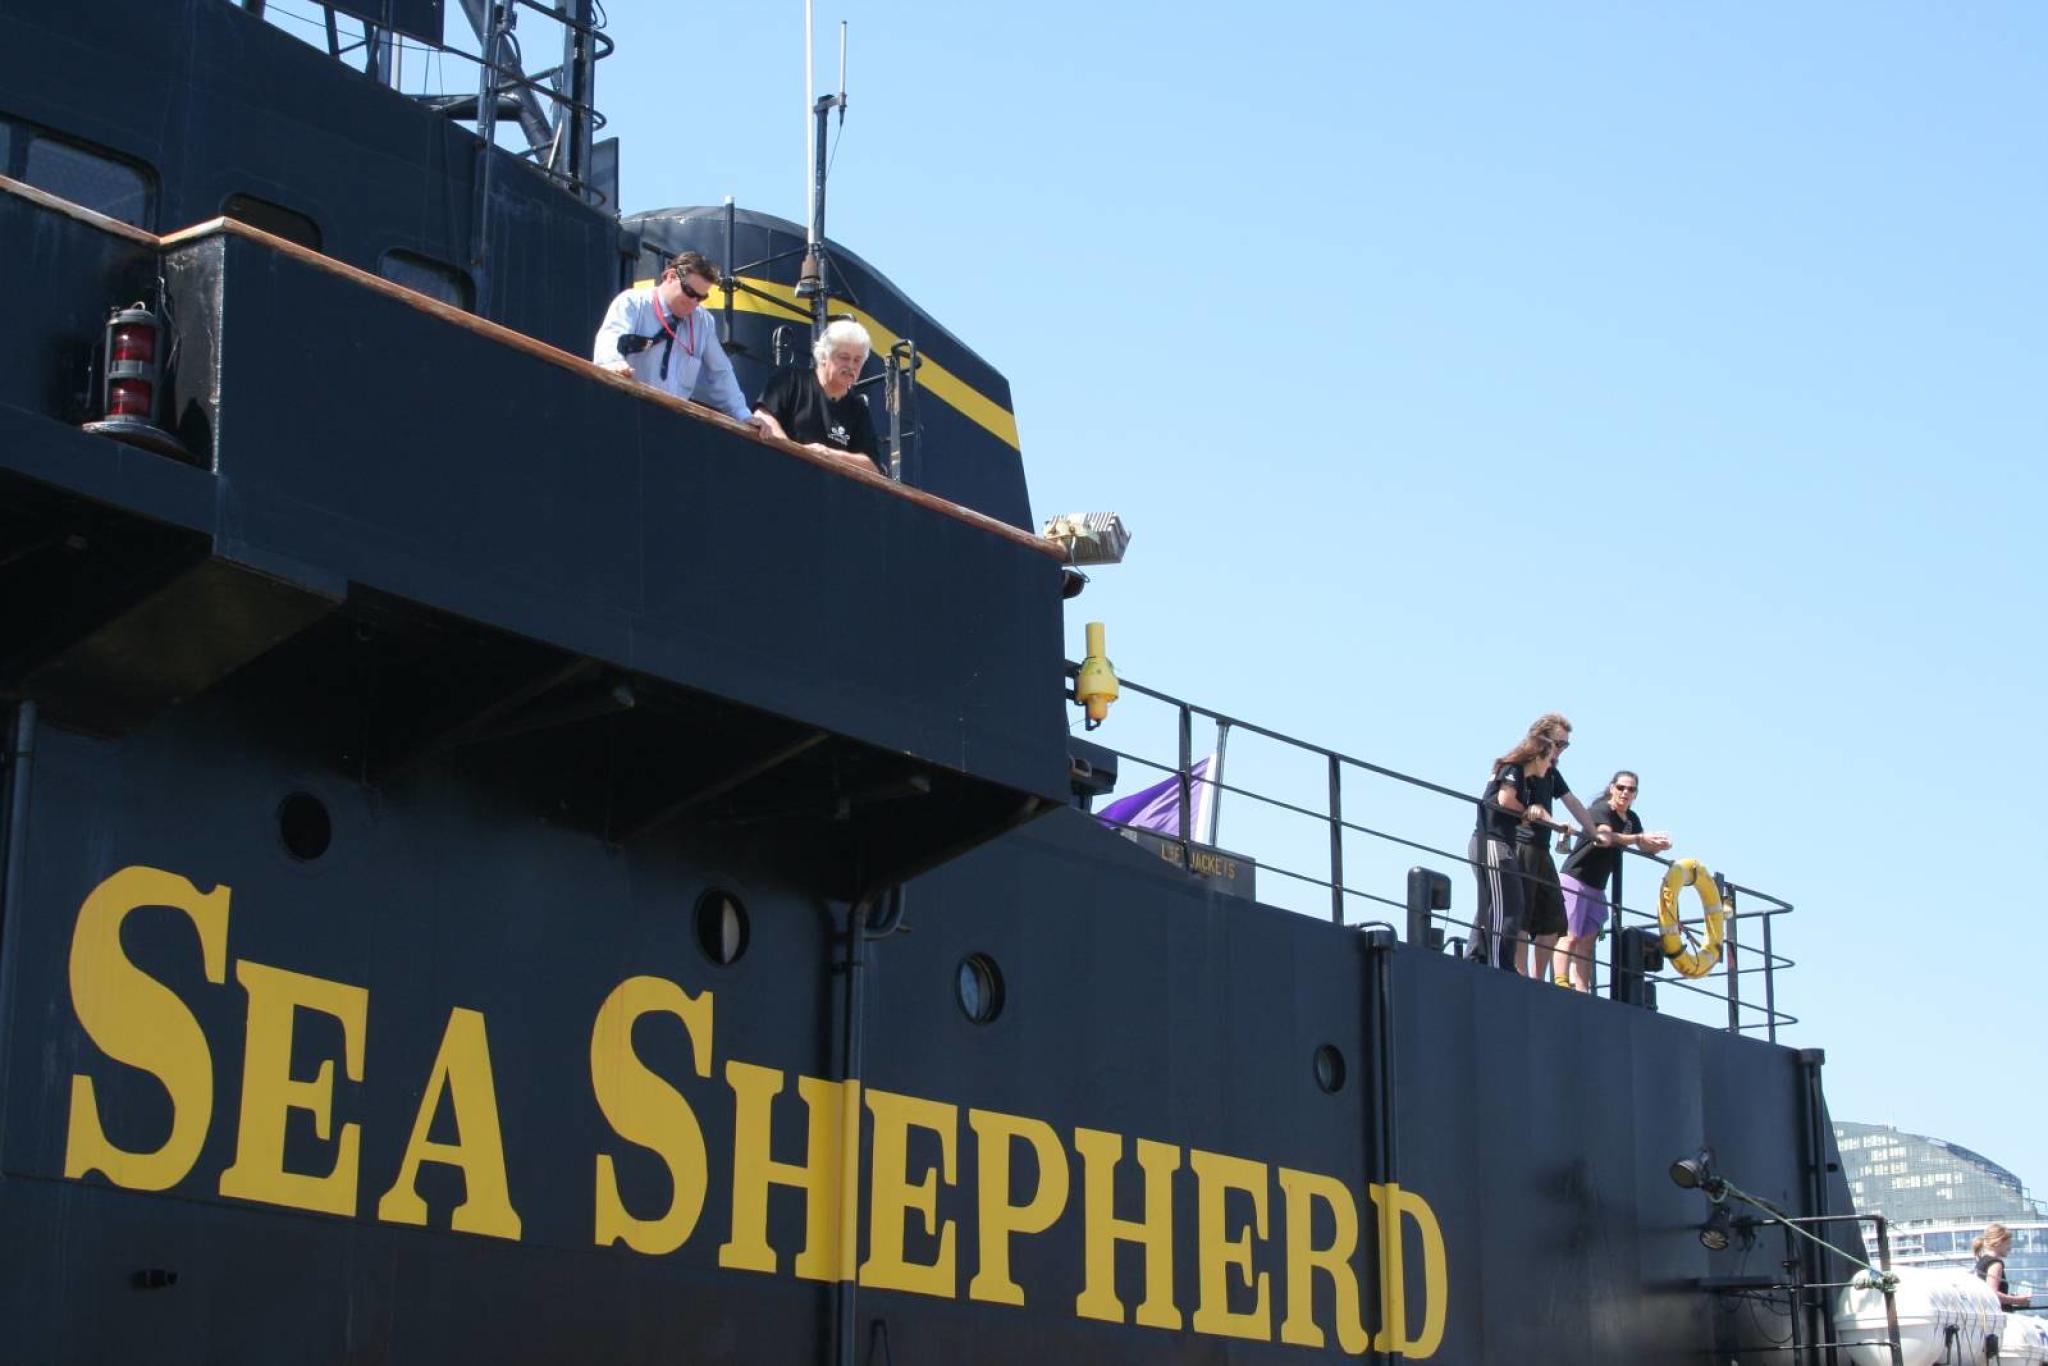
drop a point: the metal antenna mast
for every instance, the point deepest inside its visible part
(814, 283)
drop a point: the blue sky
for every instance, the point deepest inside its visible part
(1677, 367)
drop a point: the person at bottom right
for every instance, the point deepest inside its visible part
(1991, 1250)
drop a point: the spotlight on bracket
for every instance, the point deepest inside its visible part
(1090, 537)
(1718, 1232)
(1697, 1173)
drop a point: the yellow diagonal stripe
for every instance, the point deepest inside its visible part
(932, 377)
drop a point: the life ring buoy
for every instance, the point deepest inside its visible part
(1690, 958)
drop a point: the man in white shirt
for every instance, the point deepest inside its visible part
(659, 336)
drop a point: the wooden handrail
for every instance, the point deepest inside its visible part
(530, 346)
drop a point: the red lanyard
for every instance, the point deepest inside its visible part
(689, 326)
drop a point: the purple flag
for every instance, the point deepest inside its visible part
(1157, 808)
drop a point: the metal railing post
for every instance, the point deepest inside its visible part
(487, 135)
(1187, 804)
(731, 274)
(1771, 984)
(1614, 929)
(1336, 841)
(1730, 955)
(1884, 1263)
(579, 68)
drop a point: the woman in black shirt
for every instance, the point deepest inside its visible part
(1497, 925)
(1611, 826)
(1991, 1250)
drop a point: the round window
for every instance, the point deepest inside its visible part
(304, 826)
(721, 926)
(980, 988)
(1330, 1069)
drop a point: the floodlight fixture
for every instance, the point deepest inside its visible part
(810, 281)
(1697, 1173)
(1090, 537)
(1723, 1227)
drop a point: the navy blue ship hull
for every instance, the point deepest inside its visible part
(1527, 1129)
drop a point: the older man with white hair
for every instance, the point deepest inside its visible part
(818, 407)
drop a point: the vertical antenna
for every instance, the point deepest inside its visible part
(811, 282)
(810, 171)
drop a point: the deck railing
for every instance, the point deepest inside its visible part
(1341, 832)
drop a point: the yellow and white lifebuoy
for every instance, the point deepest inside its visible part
(1690, 958)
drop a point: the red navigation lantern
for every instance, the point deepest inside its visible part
(130, 377)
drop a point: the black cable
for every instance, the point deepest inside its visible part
(171, 337)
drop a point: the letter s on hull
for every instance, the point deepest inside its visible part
(137, 1020)
(644, 1109)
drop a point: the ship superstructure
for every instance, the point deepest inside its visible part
(484, 882)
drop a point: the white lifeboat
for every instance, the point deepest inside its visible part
(1945, 1316)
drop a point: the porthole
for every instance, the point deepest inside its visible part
(1330, 1069)
(722, 930)
(304, 826)
(979, 987)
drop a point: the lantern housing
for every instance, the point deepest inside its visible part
(130, 378)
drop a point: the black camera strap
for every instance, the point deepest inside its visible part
(633, 343)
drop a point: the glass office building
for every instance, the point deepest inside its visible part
(1937, 1196)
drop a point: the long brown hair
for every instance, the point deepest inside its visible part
(1531, 747)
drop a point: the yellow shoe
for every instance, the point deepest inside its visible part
(1563, 979)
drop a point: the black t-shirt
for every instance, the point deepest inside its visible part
(796, 400)
(1591, 863)
(1494, 822)
(1543, 792)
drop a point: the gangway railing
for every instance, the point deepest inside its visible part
(1743, 987)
